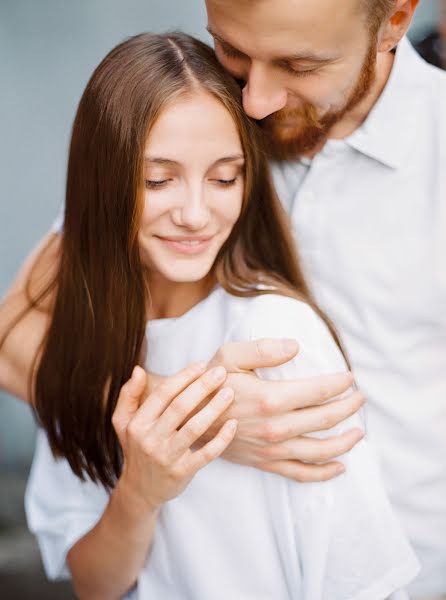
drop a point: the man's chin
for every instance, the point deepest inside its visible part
(284, 146)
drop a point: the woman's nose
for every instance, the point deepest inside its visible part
(193, 214)
(262, 96)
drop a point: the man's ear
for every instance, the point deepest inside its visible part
(396, 24)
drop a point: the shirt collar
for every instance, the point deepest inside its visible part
(388, 131)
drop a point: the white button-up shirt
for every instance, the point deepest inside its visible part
(369, 214)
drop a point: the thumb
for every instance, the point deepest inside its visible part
(129, 399)
(246, 356)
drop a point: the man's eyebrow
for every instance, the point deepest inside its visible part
(158, 160)
(224, 42)
(305, 56)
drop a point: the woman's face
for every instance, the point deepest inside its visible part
(193, 178)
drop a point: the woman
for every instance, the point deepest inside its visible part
(173, 232)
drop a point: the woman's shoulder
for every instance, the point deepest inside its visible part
(274, 315)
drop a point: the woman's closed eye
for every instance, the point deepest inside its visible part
(225, 182)
(155, 183)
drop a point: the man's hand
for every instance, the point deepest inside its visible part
(274, 416)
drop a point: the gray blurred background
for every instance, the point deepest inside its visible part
(48, 50)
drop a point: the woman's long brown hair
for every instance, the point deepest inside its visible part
(98, 321)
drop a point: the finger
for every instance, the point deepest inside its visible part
(313, 450)
(276, 397)
(179, 409)
(214, 448)
(245, 356)
(200, 423)
(298, 471)
(129, 400)
(306, 420)
(165, 392)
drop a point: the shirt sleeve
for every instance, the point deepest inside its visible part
(347, 543)
(60, 508)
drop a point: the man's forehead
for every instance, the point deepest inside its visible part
(282, 28)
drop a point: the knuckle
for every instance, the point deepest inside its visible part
(178, 408)
(325, 392)
(133, 430)
(177, 472)
(323, 454)
(149, 449)
(191, 431)
(207, 454)
(269, 452)
(327, 421)
(270, 432)
(266, 405)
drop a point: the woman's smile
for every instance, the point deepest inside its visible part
(186, 244)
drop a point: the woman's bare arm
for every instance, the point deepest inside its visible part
(158, 465)
(106, 562)
(19, 349)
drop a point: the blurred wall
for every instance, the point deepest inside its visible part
(48, 49)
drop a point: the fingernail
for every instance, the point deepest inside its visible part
(340, 469)
(361, 434)
(218, 373)
(232, 425)
(226, 394)
(289, 347)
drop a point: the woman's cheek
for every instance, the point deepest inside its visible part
(232, 207)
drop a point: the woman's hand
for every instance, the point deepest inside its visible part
(156, 436)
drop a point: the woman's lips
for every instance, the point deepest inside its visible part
(186, 245)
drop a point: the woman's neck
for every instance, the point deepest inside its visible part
(171, 299)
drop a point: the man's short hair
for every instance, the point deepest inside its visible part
(377, 11)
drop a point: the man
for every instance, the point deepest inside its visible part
(358, 132)
(358, 122)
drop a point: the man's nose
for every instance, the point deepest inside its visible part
(262, 95)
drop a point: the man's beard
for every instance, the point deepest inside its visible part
(293, 132)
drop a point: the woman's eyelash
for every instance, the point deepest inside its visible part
(155, 184)
(226, 182)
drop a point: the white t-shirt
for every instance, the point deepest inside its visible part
(237, 532)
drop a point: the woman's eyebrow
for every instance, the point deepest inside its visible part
(227, 159)
(159, 160)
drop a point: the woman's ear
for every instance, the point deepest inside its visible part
(396, 24)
